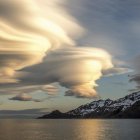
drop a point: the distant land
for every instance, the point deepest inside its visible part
(126, 107)
(22, 114)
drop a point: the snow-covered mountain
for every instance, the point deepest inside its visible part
(126, 107)
(107, 108)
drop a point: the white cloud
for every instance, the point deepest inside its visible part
(22, 97)
(28, 32)
(38, 48)
(75, 68)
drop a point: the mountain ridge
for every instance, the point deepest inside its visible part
(126, 107)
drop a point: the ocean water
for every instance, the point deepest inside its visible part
(90, 129)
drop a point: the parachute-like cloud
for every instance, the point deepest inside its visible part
(28, 32)
(37, 48)
(74, 68)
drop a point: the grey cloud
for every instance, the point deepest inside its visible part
(117, 71)
(24, 97)
(111, 25)
(135, 77)
(28, 97)
(20, 88)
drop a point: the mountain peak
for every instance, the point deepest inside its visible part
(56, 112)
(126, 107)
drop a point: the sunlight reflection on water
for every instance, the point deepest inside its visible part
(97, 129)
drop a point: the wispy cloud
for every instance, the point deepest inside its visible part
(111, 25)
(27, 34)
(27, 97)
(37, 48)
(135, 77)
(24, 97)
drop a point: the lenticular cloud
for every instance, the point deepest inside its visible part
(75, 68)
(37, 48)
(28, 32)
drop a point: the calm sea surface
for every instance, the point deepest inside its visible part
(95, 129)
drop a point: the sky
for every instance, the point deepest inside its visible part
(60, 54)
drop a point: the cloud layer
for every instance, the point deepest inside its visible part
(28, 32)
(38, 48)
(24, 97)
(74, 68)
(136, 77)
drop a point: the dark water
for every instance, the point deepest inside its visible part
(70, 129)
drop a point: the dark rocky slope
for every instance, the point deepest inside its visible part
(126, 107)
